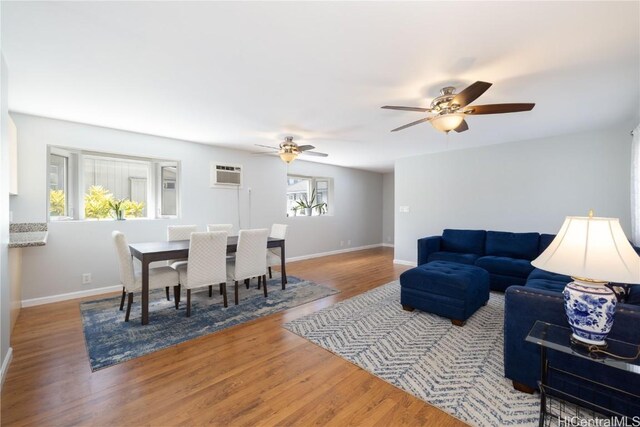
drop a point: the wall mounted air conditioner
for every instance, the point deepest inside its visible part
(225, 176)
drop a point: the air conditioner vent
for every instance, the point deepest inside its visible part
(226, 175)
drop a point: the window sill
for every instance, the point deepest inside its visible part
(104, 220)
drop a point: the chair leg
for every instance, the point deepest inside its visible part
(176, 295)
(188, 302)
(246, 282)
(129, 302)
(259, 281)
(124, 294)
(223, 291)
(264, 279)
(210, 291)
(236, 291)
(270, 275)
(167, 292)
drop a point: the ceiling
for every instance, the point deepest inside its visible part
(244, 73)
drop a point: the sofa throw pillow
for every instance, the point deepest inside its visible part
(463, 241)
(514, 245)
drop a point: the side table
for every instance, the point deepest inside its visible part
(558, 338)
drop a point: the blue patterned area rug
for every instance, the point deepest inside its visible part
(110, 340)
(459, 370)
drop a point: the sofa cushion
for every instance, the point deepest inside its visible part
(545, 241)
(513, 245)
(547, 285)
(633, 297)
(463, 241)
(469, 259)
(547, 275)
(505, 266)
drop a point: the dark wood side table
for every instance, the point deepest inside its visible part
(558, 338)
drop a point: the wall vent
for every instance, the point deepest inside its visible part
(229, 176)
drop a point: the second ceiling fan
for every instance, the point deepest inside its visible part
(289, 150)
(450, 108)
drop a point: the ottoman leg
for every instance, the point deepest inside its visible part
(407, 308)
(457, 322)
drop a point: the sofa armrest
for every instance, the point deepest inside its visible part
(427, 246)
(523, 306)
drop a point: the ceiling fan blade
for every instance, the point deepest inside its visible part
(498, 108)
(314, 153)
(394, 107)
(305, 147)
(471, 93)
(264, 153)
(462, 127)
(267, 146)
(426, 119)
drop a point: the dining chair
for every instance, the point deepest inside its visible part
(278, 231)
(159, 277)
(220, 227)
(250, 260)
(178, 232)
(206, 265)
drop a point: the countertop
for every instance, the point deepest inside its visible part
(24, 235)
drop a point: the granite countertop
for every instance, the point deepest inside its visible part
(24, 235)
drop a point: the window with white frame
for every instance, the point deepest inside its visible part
(309, 196)
(91, 185)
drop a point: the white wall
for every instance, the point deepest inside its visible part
(5, 309)
(388, 208)
(80, 247)
(522, 186)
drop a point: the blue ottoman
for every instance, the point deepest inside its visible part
(444, 288)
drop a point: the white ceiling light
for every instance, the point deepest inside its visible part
(447, 122)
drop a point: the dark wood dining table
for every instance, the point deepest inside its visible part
(178, 249)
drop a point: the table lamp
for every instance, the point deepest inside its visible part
(593, 251)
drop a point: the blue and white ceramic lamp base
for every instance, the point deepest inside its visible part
(590, 308)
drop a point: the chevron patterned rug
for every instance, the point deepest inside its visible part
(459, 370)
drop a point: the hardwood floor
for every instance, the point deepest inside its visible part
(256, 373)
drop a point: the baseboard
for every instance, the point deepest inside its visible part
(339, 251)
(71, 295)
(388, 245)
(403, 262)
(5, 365)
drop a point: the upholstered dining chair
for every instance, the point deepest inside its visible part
(206, 265)
(278, 231)
(220, 227)
(178, 232)
(250, 260)
(159, 277)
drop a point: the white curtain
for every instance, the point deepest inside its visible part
(635, 186)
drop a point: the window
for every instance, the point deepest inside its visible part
(308, 196)
(89, 185)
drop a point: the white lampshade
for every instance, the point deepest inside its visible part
(591, 248)
(447, 122)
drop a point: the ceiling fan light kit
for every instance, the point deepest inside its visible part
(447, 122)
(450, 108)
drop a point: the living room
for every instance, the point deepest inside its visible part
(192, 89)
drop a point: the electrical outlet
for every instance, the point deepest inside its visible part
(86, 278)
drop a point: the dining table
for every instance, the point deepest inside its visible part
(149, 252)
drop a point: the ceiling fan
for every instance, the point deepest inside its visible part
(289, 150)
(450, 108)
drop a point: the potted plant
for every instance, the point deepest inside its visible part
(308, 204)
(117, 208)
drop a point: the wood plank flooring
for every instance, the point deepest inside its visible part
(252, 374)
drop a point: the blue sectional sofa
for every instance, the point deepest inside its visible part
(533, 294)
(506, 256)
